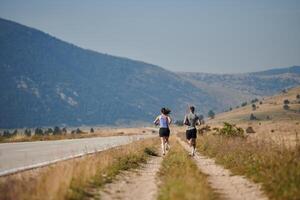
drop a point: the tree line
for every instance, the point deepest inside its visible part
(43, 132)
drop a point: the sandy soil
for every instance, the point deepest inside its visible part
(228, 186)
(136, 184)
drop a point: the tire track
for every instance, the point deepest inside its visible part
(232, 187)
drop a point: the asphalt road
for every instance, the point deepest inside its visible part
(26, 155)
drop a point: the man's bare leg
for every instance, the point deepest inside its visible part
(193, 145)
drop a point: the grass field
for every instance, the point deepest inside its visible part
(180, 178)
(272, 120)
(77, 178)
(277, 167)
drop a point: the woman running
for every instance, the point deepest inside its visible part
(164, 120)
(191, 120)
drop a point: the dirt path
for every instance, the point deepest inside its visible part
(136, 184)
(229, 186)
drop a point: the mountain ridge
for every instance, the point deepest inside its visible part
(46, 81)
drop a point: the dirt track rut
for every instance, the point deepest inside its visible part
(136, 184)
(229, 186)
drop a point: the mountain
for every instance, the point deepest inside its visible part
(233, 89)
(46, 81)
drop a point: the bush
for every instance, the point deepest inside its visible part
(57, 131)
(250, 130)
(38, 131)
(254, 100)
(179, 122)
(298, 96)
(284, 91)
(211, 114)
(15, 132)
(231, 130)
(48, 131)
(286, 107)
(64, 130)
(253, 107)
(252, 117)
(78, 131)
(244, 104)
(286, 101)
(92, 130)
(27, 132)
(6, 133)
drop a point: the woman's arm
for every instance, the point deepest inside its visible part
(169, 119)
(156, 120)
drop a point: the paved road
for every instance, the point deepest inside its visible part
(26, 155)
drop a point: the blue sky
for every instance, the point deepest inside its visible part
(218, 36)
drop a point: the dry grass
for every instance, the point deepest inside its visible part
(181, 179)
(272, 120)
(72, 179)
(275, 166)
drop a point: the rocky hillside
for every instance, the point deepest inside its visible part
(233, 89)
(46, 82)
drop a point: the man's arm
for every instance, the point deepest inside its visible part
(185, 120)
(198, 122)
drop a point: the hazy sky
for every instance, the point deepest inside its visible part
(220, 36)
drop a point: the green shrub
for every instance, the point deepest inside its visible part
(179, 122)
(286, 107)
(38, 131)
(244, 104)
(286, 101)
(57, 131)
(231, 130)
(211, 114)
(6, 133)
(254, 100)
(27, 132)
(252, 117)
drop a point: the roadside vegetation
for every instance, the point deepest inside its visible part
(181, 179)
(77, 178)
(55, 133)
(276, 167)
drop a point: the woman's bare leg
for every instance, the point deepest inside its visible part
(162, 139)
(167, 143)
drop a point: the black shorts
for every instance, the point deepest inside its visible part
(164, 132)
(191, 134)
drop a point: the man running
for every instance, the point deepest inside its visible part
(164, 120)
(191, 120)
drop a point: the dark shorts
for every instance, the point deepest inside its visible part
(191, 134)
(164, 132)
